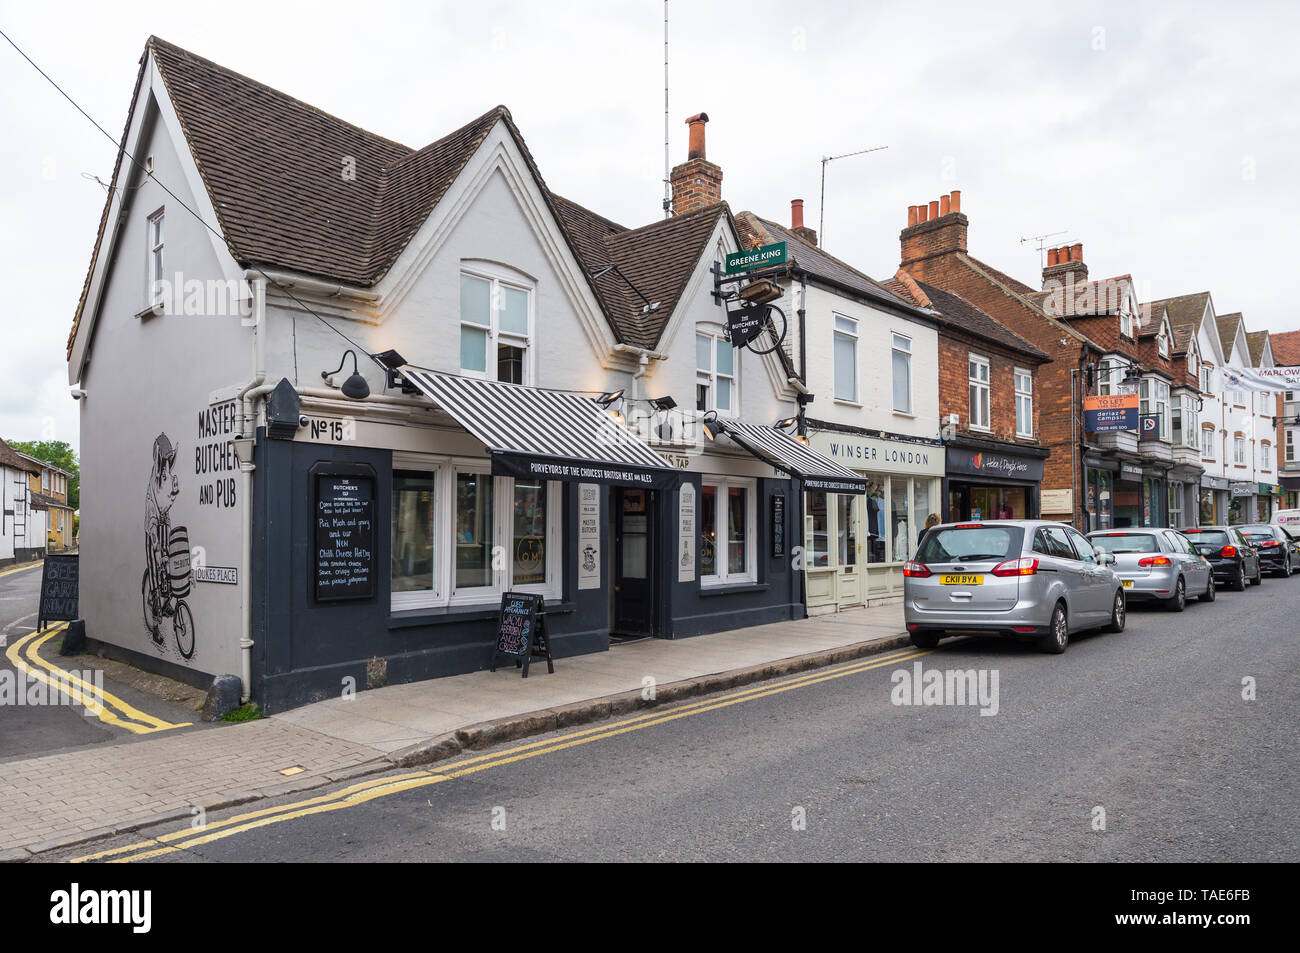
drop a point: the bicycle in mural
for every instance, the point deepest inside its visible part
(168, 570)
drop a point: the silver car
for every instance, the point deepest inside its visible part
(1158, 564)
(1026, 579)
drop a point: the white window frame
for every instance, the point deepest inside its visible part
(1163, 410)
(155, 256)
(904, 349)
(1162, 343)
(1207, 374)
(721, 543)
(1024, 395)
(498, 278)
(1175, 512)
(1290, 446)
(710, 376)
(853, 335)
(444, 594)
(1207, 443)
(973, 381)
(1239, 451)
(1264, 462)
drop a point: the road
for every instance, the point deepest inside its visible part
(28, 730)
(1149, 726)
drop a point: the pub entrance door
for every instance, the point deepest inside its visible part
(636, 562)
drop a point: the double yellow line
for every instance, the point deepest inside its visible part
(384, 787)
(108, 708)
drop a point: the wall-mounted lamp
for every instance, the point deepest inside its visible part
(709, 422)
(1132, 377)
(786, 423)
(391, 361)
(609, 397)
(355, 387)
(662, 403)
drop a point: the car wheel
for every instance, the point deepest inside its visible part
(1209, 593)
(925, 640)
(1179, 601)
(1058, 632)
(1286, 568)
(1118, 613)
(1259, 574)
(1239, 581)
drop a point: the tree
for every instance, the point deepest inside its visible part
(59, 454)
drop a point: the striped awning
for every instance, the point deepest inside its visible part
(544, 434)
(815, 471)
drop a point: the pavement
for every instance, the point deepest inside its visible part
(54, 801)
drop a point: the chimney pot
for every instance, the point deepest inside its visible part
(943, 205)
(934, 210)
(922, 214)
(696, 145)
(1051, 257)
(1076, 251)
(911, 215)
(796, 213)
(956, 201)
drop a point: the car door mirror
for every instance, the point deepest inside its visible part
(1106, 558)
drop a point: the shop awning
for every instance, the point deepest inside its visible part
(544, 434)
(817, 472)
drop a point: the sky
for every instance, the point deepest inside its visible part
(1162, 136)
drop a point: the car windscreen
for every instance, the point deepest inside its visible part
(1125, 542)
(1207, 537)
(970, 543)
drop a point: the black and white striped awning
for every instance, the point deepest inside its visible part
(815, 471)
(544, 434)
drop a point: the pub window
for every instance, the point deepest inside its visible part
(728, 531)
(715, 375)
(495, 328)
(414, 532)
(978, 374)
(1024, 402)
(846, 358)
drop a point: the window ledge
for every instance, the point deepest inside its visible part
(732, 589)
(847, 403)
(905, 413)
(449, 615)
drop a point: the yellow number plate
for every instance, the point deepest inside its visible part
(1128, 583)
(961, 580)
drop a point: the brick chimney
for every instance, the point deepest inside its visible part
(934, 229)
(1064, 266)
(796, 223)
(697, 182)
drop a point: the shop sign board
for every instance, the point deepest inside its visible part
(768, 256)
(879, 454)
(588, 536)
(344, 560)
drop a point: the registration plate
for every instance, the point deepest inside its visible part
(1128, 583)
(961, 580)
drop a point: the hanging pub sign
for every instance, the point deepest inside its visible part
(778, 525)
(521, 631)
(345, 533)
(1150, 428)
(59, 586)
(777, 253)
(745, 324)
(1110, 412)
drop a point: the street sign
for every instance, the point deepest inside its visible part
(1110, 412)
(777, 253)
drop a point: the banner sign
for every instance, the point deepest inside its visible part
(1110, 412)
(1150, 429)
(1260, 378)
(765, 257)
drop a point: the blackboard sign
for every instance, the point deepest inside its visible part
(521, 631)
(58, 589)
(778, 526)
(345, 536)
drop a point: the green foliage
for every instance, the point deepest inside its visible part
(245, 712)
(59, 454)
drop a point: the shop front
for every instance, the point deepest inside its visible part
(855, 544)
(1138, 497)
(1242, 504)
(991, 481)
(1213, 501)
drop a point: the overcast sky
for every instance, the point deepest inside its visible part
(1163, 136)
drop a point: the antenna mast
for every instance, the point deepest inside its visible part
(668, 193)
(1042, 243)
(821, 214)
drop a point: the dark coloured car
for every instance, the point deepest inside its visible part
(1234, 558)
(1279, 551)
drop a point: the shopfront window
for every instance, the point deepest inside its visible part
(529, 533)
(728, 520)
(816, 542)
(414, 522)
(474, 531)
(877, 521)
(1175, 504)
(901, 539)
(1208, 517)
(922, 508)
(846, 529)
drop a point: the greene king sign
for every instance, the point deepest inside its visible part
(765, 257)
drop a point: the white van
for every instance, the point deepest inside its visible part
(1288, 518)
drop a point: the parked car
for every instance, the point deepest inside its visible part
(1286, 517)
(1279, 551)
(1025, 579)
(1233, 557)
(1158, 564)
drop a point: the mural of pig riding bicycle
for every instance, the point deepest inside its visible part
(168, 570)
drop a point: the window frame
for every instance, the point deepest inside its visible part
(906, 352)
(1027, 396)
(974, 385)
(1239, 451)
(498, 278)
(709, 377)
(854, 336)
(721, 485)
(155, 255)
(1289, 440)
(1207, 440)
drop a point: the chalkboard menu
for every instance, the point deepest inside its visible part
(59, 578)
(521, 631)
(345, 536)
(778, 526)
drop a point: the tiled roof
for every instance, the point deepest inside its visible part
(10, 457)
(1018, 291)
(1228, 324)
(1185, 310)
(1255, 341)
(960, 315)
(44, 501)
(817, 262)
(1084, 298)
(1286, 348)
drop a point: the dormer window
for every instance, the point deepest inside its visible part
(495, 326)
